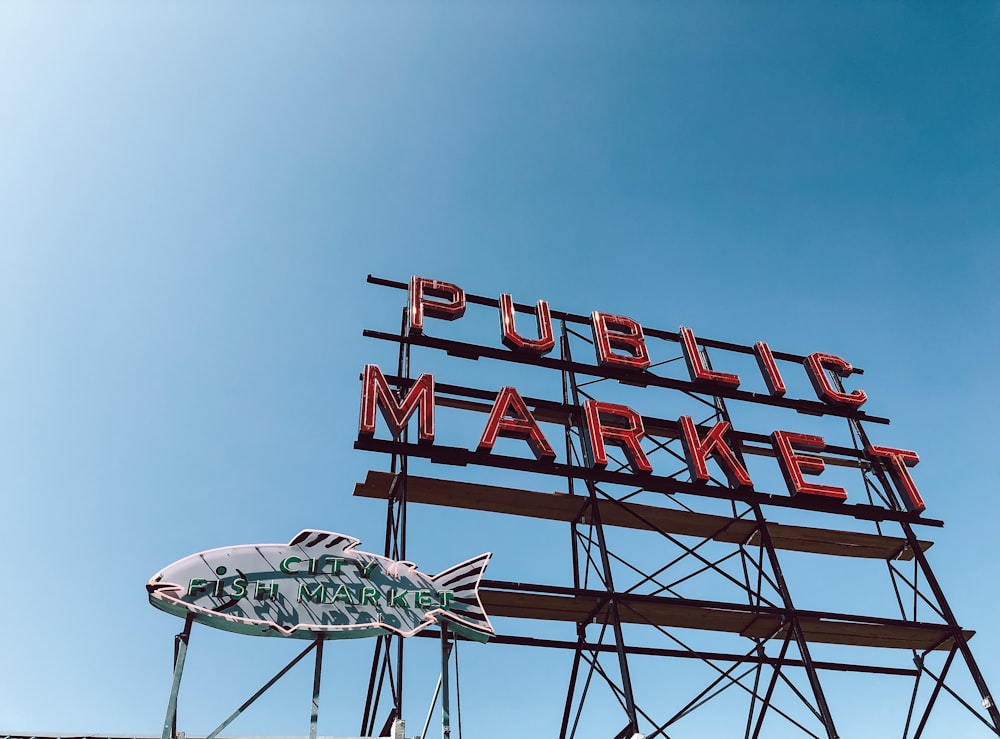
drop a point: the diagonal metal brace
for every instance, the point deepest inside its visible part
(281, 673)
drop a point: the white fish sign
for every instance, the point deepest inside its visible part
(320, 584)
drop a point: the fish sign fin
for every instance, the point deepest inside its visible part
(315, 539)
(465, 612)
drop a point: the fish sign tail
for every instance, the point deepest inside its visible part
(464, 612)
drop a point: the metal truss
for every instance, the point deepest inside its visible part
(916, 591)
(767, 677)
(385, 682)
(757, 560)
(384, 697)
(759, 576)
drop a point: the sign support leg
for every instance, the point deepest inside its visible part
(180, 653)
(267, 686)
(572, 390)
(445, 702)
(317, 673)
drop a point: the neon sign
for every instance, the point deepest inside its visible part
(622, 352)
(320, 584)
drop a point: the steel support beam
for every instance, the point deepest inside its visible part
(592, 556)
(180, 654)
(607, 578)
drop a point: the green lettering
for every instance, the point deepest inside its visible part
(287, 562)
(316, 595)
(398, 598)
(316, 565)
(370, 596)
(423, 599)
(239, 588)
(343, 595)
(195, 585)
(446, 598)
(265, 591)
(219, 585)
(367, 567)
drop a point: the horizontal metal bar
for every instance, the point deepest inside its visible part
(744, 607)
(578, 318)
(664, 519)
(549, 410)
(646, 378)
(654, 483)
(527, 641)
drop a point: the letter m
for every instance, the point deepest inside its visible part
(316, 595)
(376, 394)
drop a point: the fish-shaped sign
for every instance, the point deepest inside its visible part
(319, 584)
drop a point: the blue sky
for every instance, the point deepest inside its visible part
(191, 197)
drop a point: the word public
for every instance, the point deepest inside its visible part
(619, 342)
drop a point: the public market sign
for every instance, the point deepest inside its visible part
(622, 352)
(319, 584)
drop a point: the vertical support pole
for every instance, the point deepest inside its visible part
(921, 562)
(317, 674)
(445, 696)
(180, 654)
(574, 538)
(605, 563)
(957, 635)
(177, 650)
(767, 546)
(400, 539)
(390, 663)
(796, 627)
(367, 717)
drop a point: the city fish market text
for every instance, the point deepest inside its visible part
(620, 345)
(319, 583)
(328, 592)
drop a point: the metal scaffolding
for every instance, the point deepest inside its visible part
(674, 570)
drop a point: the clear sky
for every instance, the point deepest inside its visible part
(192, 194)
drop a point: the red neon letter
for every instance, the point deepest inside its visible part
(521, 426)
(626, 435)
(376, 393)
(618, 332)
(769, 368)
(421, 289)
(794, 465)
(696, 451)
(816, 366)
(898, 461)
(696, 367)
(513, 340)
